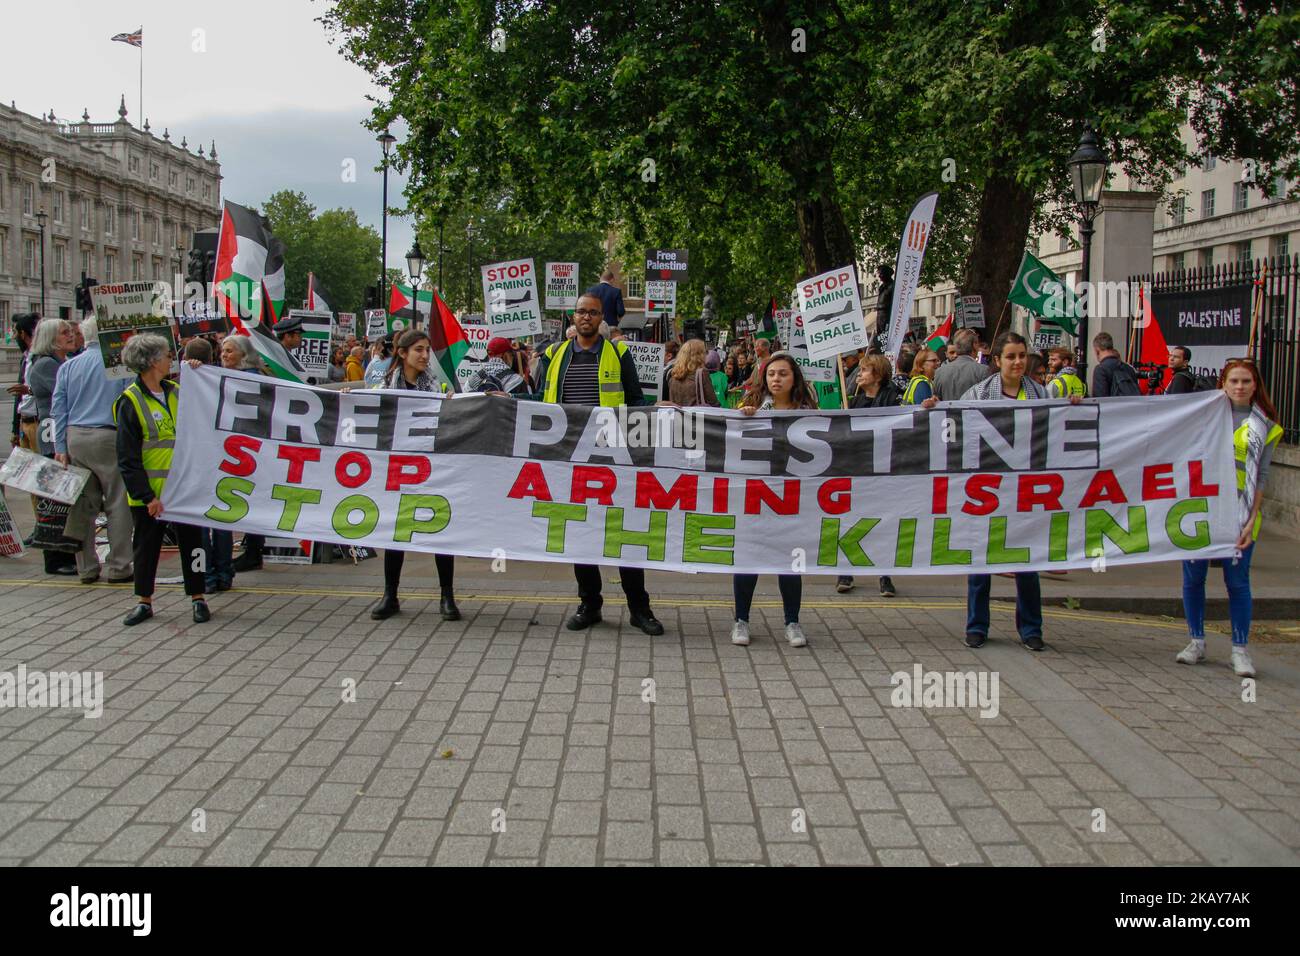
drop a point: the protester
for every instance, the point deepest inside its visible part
(611, 298)
(920, 385)
(781, 386)
(962, 371)
(1113, 376)
(381, 362)
(354, 368)
(53, 340)
(712, 365)
(1255, 436)
(875, 389)
(85, 436)
(850, 362)
(590, 370)
(409, 371)
(499, 373)
(903, 368)
(1064, 379)
(25, 422)
(1036, 368)
(338, 365)
(145, 414)
(1011, 360)
(689, 383)
(762, 352)
(1183, 379)
(742, 370)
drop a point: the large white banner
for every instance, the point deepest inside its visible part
(966, 487)
(831, 308)
(510, 298)
(907, 273)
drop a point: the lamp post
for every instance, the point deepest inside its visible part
(440, 292)
(1088, 175)
(41, 217)
(386, 141)
(469, 269)
(414, 266)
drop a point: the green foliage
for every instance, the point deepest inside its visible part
(342, 252)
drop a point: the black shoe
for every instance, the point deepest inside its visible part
(583, 618)
(975, 640)
(126, 580)
(67, 570)
(247, 562)
(27, 541)
(447, 607)
(646, 621)
(141, 614)
(1034, 643)
(886, 587)
(844, 584)
(201, 613)
(386, 608)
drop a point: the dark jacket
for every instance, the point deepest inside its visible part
(887, 397)
(41, 378)
(1182, 382)
(611, 298)
(1110, 373)
(632, 394)
(130, 443)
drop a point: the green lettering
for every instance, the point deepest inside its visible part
(701, 548)
(998, 552)
(557, 515)
(618, 537)
(1100, 524)
(832, 543)
(1058, 537)
(906, 543)
(1200, 538)
(294, 498)
(407, 522)
(228, 492)
(940, 553)
(342, 518)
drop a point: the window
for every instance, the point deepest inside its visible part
(635, 288)
(137, 268)
(173, 178)
(1179, 261)
(60, 262)
(137, 218)
(1207, 258)
(153, 171)
(1207, 203)
(4, 249)
(56, 205)
(157, 268)
(134, 164)
(1209, 163)
(1062, 243)
(29, 258)
(207, 190)
(29, 199)
(1240, 197)
(4, 317)
(1279, 189)
(110, 267)
(4, 188)
(85, 214)
(110, 218)
(87, 260)
(1243, 252)
(189, 185)
(1178, 210)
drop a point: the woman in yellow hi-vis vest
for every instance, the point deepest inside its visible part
(921, 385)
(1254, 436)
(146, 435)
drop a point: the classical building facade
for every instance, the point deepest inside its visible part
(119, 204)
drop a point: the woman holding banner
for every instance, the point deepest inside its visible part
(875, 389)
(410, 370)
(1254, 436)
(780, 386)
(1011, 359)
(146, 436)
(921, 385)
(52, 343)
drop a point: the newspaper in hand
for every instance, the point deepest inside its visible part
(45, 477)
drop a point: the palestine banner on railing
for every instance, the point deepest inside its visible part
(967, 487)
(1213, 324)
(907, 271)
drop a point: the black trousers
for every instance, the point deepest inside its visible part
(146, 546)
(393, 561)
(253, 544)
(633, 580)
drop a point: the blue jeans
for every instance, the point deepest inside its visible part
(1029, 604)
(1236, 578)
(218, 546)
(791, 586)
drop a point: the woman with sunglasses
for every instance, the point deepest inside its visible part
(1255, 435)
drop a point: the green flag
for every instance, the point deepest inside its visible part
(1041, 291)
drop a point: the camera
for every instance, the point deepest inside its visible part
(1153, 372)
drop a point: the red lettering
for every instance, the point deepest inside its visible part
(593, 481)
(721, 491)
(343, 474)
(241, 463)
(939, 496)
(297, 457)
(1158, 482)
(757, 494)
(1028, 494)
(407, 470)
(1103, 487)
(531, 483)
(1198, 488)
(834, 496)
(979, 490)
(651, 494)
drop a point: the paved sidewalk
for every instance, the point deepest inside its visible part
(506, 739)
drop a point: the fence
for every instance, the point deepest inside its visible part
(1276, 348)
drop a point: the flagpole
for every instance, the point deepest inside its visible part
(141, 119)
(1258, 304)
(844, 396)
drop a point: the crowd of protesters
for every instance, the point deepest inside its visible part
(122, 431)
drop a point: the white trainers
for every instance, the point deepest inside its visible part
(740, 633)
(1241, 662)
(794, 634)
(1193, 653)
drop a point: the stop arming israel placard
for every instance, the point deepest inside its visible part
(510, 298)
(561, 285)
(479, 335)
(660, 298)
(124, 309)
(833, 322)
(314, 352)
(814, 370)
(968, 487)
(649, 359)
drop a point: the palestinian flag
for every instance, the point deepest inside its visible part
(767, 328)
(938, 340)
(249, 275)
(399, 306)
(447, 340)
(318, 300)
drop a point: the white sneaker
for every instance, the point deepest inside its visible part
(794, 634)
(1193, 653)
(740, 633)
(1241, 663)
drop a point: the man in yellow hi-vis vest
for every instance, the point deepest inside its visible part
(588, 369)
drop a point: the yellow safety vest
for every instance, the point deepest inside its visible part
(1068, 385)
(159, 427)
(909, 396)
(609, 373)
(1239, 439)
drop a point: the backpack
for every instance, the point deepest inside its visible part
(1204, 383)
(1124, 381)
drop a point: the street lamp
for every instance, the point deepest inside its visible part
(469, 269)
(414, 266)
(41, 217)
(386, 141)
(1088, 175)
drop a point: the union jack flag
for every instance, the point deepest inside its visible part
(135, 39)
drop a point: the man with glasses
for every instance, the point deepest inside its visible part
(588, 369)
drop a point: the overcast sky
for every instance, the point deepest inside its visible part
(259, 77)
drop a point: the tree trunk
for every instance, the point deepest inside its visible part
(824, 237)
(1006, 208)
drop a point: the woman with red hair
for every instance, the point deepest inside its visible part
(1254, 436)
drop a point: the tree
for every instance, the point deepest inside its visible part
(343, 253)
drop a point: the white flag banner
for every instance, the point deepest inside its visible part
(907, 273)
(969, 487)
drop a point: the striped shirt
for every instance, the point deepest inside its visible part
(581, 385)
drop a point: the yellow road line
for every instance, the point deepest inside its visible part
(1007, 607)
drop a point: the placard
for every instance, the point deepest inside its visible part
(199, 317)
(478, 334)
(561, 285)
(125, 309)
(814, 370)
(970, 311)
(511, 301)
(831, 311)
(11, 539)
(317, 335)
(649, 359)
(669, 265)
(376, 324)
(347, 324)
(660, 298)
